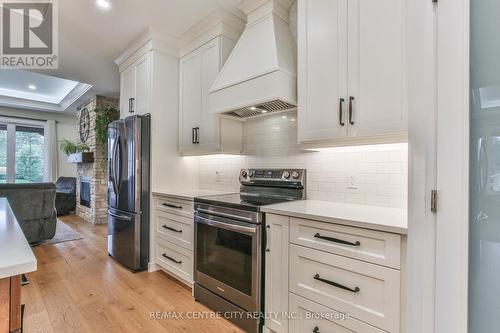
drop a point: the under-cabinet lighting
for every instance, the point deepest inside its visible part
(364, 148)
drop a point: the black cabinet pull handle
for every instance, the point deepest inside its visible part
(336, 240)
(130, 105)
(171, 206)
(197, 136)
(171, 259)
(335, 284)
(170, 228)
(316, 328)
(193, 131)
(341, 116)
(132, 100)
(351, 98)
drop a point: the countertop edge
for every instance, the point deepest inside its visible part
(174, 195)
(335, 220)
(26, 267)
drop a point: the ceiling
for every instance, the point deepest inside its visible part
(34, 86)
(91, 38)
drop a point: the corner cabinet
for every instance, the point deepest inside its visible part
(135, 87)
(351, 62)
(199, 131)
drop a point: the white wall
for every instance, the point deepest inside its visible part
(271, 142)
(66, 128)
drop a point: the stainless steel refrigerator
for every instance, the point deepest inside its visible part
(128, 191)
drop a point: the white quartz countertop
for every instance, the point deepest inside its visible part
(370, 217)
(189, 194)
(16, 256)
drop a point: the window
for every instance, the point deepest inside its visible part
(21, 151)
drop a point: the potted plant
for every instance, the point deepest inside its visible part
(76, 152)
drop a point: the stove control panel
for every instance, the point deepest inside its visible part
(251, 176)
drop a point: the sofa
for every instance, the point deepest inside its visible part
(34, 207)
(65, 195)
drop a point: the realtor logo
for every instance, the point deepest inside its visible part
(29, 37)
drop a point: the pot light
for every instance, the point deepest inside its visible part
(263, 111)
(31, 87)
(253, 108)
(103, 4)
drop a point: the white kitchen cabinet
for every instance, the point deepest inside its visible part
(322, 64)
(276, 275)
(351, 71)
(199, 131)
(172, 237)
(329, 268)
(135, 91)
(376, 66)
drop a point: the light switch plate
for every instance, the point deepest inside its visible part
(352, 181)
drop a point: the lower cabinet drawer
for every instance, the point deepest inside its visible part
(175, 259)
(176, 229)
(175, 206)
(368, 292)
(310, 317)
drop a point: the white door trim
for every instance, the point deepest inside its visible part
(452, 225)
(422, 151)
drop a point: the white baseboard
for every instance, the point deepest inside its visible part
(152, 267)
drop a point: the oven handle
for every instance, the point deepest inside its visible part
(230, 216)
(214, 222)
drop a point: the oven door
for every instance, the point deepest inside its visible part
(228, 259)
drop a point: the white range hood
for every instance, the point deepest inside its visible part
(260, 75)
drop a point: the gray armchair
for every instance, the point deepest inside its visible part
(65, 195)
(34, 207)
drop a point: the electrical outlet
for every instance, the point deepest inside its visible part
(352, 181)
(217, 176)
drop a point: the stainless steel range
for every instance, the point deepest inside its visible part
(230, 242)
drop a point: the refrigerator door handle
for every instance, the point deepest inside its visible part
(113, 166)
(117, 164)
(121, 217)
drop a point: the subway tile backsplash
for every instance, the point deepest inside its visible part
(380, 172)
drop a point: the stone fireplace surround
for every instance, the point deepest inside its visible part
(97, 172)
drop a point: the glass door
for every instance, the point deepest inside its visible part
(484, 219)
(3, 153)
(22, 152)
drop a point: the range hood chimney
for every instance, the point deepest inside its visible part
(260, 75)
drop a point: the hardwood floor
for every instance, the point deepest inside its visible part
(79, 288)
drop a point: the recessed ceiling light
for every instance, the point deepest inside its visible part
(103, 4)
(31, 87)
(264, 111)
(293, 119)
(253, 108)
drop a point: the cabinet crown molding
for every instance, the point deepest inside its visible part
(219, 22)
(150, 39)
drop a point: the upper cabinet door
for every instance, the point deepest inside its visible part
(127, 88)
(210, 66)
(142, 98)
(376, 34)
(322, 69)
(190, 100)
